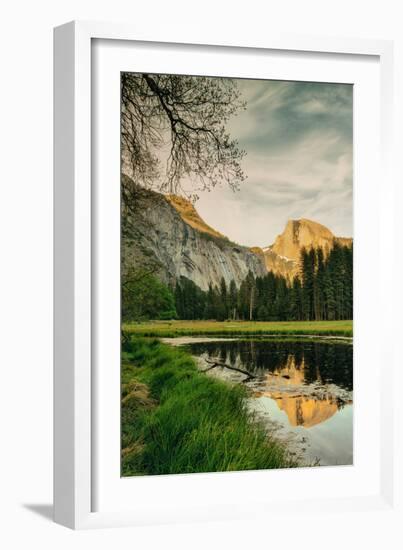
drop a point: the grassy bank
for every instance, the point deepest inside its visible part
(211, 328)
(176, 419)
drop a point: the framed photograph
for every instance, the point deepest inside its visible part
(219, 213)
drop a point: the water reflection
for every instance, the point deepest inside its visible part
(305, 411)
(305, 387)
(309, 361)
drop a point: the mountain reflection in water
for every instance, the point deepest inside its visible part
(304, 386)
(305, 411)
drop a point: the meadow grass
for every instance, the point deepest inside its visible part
(176, 419)
(237, 328)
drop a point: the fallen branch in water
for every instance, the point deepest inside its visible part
(216, 363)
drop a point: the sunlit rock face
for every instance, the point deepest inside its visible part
(282, 257)
(165, 235)
(302, 233)
(304, 405)
(190, 216)
(306, 411)
(280, 265)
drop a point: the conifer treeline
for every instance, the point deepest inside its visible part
(322, 291)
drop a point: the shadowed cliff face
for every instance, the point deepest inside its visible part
(166, 236)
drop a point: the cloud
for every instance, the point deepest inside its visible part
(298, 139)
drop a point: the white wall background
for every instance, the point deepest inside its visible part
(26, 266)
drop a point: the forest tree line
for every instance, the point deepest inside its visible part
(323, 290)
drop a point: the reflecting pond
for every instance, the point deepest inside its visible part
(303, 390)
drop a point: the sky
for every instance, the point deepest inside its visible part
(299, 144)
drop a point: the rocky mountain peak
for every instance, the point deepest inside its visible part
(189, 215)
(283, 255)
(301, 233)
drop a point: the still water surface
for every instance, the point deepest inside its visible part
(303, 390)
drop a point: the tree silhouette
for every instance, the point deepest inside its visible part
(174, 127)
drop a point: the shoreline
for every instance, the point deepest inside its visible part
(183, 340)
(177, 420)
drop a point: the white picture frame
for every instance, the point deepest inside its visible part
(76, 390)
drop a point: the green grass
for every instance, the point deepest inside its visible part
(234, 328)
(176, 419)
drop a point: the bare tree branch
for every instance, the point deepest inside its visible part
(174, 131)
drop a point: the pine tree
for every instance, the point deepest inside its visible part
(270, 285)
(223, 301)
(319, 283)
(210, 303)
(348, 269)
(246, 303)
(322, 291)
(307, 275)
(179, 301)
(232, 300)
(295, 293)
(328, 293)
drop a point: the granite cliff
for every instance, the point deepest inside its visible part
(282, 256)
(165, 234)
